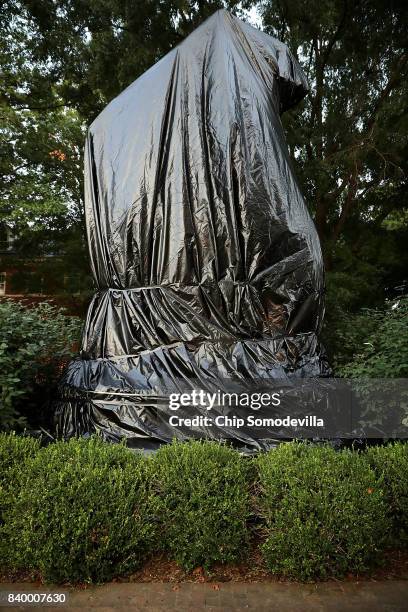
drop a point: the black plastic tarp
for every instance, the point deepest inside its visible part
(207, 263)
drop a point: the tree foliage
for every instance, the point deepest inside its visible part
(82, 53)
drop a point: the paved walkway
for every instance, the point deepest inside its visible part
(387, 596)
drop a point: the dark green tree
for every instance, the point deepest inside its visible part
(82, 53)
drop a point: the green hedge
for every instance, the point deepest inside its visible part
(83, 513)
(86, 510)
(324, 511)
(14, 453)
(203, 503)
(391, 465)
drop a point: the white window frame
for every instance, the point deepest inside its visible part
(3, 283)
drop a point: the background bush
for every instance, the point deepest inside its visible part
(324, 511)
(83, 513)
(375, 346)
(203, 502)
(391, 465)
(35, 343)
(377, 340)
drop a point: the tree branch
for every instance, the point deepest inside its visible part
(393, 81)
(335, 37)
(353, 183)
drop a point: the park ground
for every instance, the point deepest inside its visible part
(162, 585)
(370, 596)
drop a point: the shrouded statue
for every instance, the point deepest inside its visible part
(208, 267)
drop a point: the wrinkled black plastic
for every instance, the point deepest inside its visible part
(207, 263)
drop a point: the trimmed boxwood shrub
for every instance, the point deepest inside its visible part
(14, 452)
(324, 510)
(203, 502)
(391, 465)
(86, 510)
(83, 513)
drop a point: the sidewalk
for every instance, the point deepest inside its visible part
(385, 596)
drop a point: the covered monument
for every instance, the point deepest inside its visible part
(207, 264)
